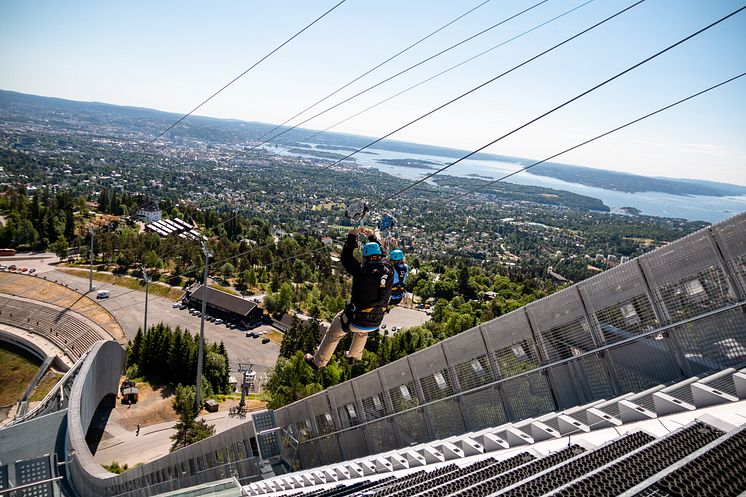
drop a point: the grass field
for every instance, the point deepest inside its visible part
(48, 381)
(128, 282)
(15, 374)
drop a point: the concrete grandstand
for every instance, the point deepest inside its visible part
(629, 383)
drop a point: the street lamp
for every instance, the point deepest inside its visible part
(90, 270)
(198, 390)
(147, 286)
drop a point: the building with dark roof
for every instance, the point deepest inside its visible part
(224, 305)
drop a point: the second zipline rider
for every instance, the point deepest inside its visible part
(371, 292)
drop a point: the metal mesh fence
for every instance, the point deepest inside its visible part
(483, 409)
(697, 294)
(445, 418)
(655, 320)
(411, 427)
(626, 319)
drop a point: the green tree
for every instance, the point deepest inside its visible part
(188, 431)
(60, 248)
(290, 380)
(228, 270)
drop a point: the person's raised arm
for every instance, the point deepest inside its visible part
(348, 259)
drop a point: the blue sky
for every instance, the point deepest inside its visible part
(171, 55)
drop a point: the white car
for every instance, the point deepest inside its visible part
(175, 305)
(218, 321)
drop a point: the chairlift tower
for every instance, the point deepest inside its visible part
(247, 380)
(198, 390)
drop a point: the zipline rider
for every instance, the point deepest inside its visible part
(370, 295)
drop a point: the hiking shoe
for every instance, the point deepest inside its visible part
(351, 360)
(309, 360)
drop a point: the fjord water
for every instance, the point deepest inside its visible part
(690, 207)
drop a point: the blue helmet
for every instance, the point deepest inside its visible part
(396, 255)
(371, 248)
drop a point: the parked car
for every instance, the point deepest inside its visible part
(175, 305)
(32, 270)
(218, 321)
(383, 326)
(24, 269)
(265, 340)
(12, 267)
(393, 329)
(103, 294)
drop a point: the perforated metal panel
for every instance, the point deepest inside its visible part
(33, 470)
(298, 413)
(329, 450)
(369, 390)
(401, 389)
(353, 443)
(468, 356)
(321, 413)
(718, 341)
(432, 373)
(620, 303)
(342, 399)
(687, 277)
(644, 363)
(580, 381)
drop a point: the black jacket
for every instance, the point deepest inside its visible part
(371, 286)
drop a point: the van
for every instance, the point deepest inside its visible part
(103, 294)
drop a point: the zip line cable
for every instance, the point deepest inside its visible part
(670, 47)
(343, 87)
(472, 90)
(376, 85)
(485, 52)
(461, 195)
(564, 104)
(373, 69)
(478, 87)
(242, 74)
(169, 128)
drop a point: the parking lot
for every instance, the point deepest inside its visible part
(128, 307)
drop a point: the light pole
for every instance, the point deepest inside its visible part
(198, 390)
(147, 284)
(90, 270)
